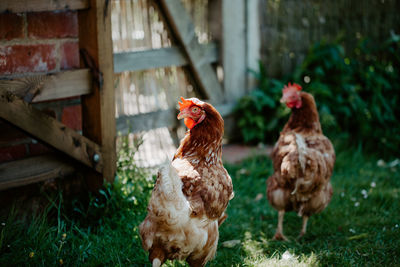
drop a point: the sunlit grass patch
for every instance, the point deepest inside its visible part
(106, 232)
(287, 259)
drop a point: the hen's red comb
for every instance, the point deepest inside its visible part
(184, 104)
(291, 87)
(189, 102)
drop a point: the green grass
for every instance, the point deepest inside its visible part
(352, 231)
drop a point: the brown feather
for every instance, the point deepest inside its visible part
(303, 160)
(205, 185)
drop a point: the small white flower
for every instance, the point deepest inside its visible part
(365, 196)
(381, 163)
(356, 204)
(231, 243)
(373, 184)
(351, 230)
(342, 194)
(242, 171)
(397, 226)
(364, 192)
(3, 224)
(258, 197)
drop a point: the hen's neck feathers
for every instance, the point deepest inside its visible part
(204, 141)
(305, 118)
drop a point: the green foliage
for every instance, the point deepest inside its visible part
(102, 231)
(357, 95)
(259, 113)
(360, 227)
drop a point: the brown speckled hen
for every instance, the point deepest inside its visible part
(190, 196)
(303, 160)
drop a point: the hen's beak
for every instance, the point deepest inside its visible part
(183, 114)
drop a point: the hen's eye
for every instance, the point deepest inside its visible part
(195, 109)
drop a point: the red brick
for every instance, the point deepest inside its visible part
(12, 153)
(38, 149)
(72, 117)
(69, 55)
(52, 24)
(11, 26)
(27, 58)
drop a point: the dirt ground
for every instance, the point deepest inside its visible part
(234, 153)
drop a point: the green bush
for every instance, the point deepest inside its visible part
(259, 114)
(102, 231)
(357, 95)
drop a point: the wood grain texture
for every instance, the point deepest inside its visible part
(158, 119)
(22, 6)
(234, 48)
(36, 88)
(147, 121)
(183, 28)
(159, 58)
(32, 170)
(50, 131)
(98, 108)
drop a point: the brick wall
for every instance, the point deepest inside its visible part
(38, 43)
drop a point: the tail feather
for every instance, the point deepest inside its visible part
(156, 262)
(169, 183)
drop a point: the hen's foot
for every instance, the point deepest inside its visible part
(301, 235)
(280, 236)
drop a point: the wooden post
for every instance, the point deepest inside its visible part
(253, 42)
(50, 130)
(183, 29)
(98, 108)
(234, 48)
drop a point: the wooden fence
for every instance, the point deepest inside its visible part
(180, 48)
(95, 148)
(184, 42)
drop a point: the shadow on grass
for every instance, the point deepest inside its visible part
(360, 226)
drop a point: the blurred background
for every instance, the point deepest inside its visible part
(346, 53)
(235, 54)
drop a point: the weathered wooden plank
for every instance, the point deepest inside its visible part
(21, 6)
(234, 48)
(225, 109)
(33, 170)
(183, 28)
(51, 86)
(253, 41)
(49, 130)
(158, 119)
(159, 58)
(98, 108)
(146, 121)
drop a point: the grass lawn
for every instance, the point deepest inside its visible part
(360, 227)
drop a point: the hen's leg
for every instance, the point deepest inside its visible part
(304, 226)
(279, 230)
(222, 218)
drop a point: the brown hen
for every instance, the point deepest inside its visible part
(191, 194)
(303, 160)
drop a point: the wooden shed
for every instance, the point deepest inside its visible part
(57, 80)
